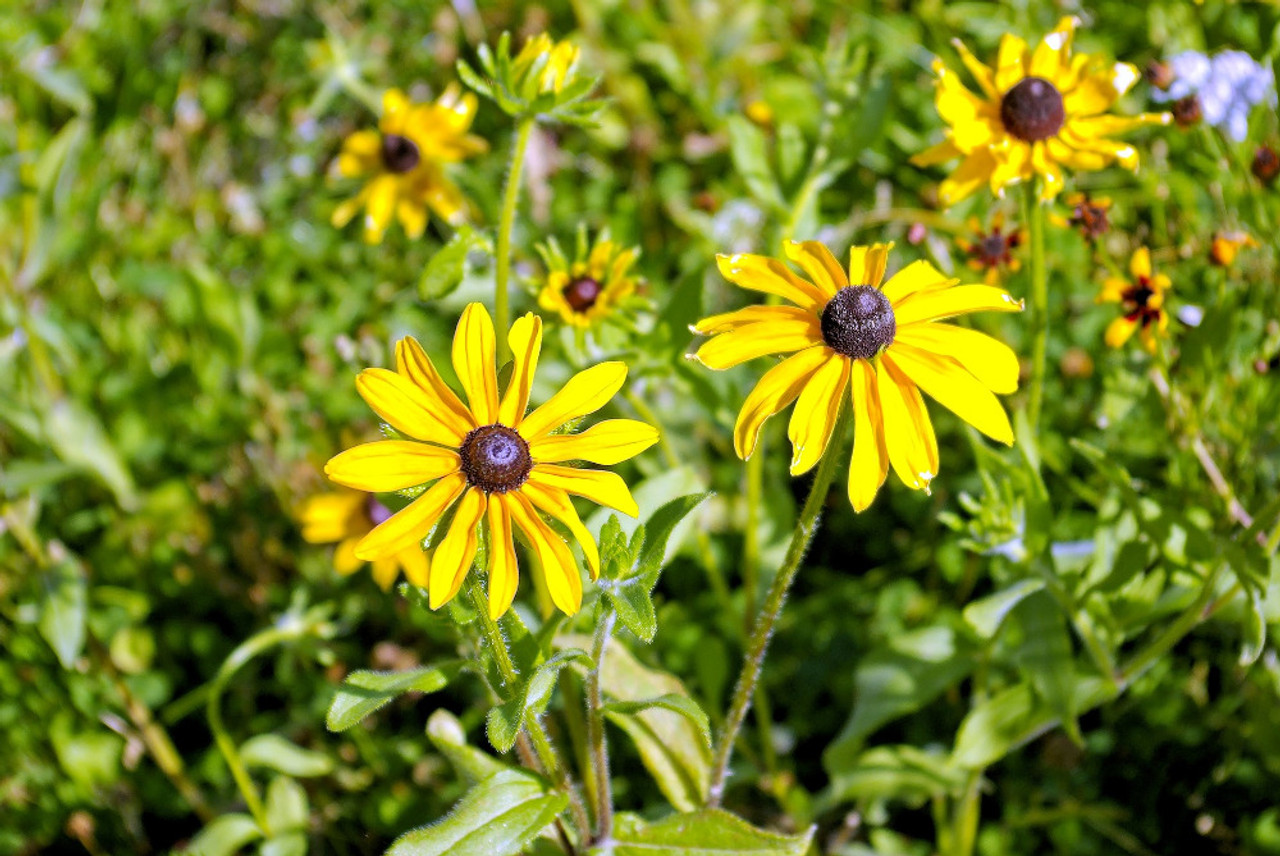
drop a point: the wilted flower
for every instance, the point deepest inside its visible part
(1142, 301)
(343, 518)
(1040, 110)
(404, 163)
(881, 345)
(490, 461)
(1187, 111)
(1227, 87)
(588, 289)
(1266, 164)
(1227, 245)
(992, 252)
(1089, 214)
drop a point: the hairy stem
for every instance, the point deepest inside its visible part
(1033, 212)
(595, 728)
(768, 618)
(506, 223)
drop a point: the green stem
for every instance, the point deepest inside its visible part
(1033, 213)
(595, 729)
(510, 198)
(538, 736)
(806, 526)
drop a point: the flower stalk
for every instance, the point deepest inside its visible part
(595, 728)
(765, 623)
(1033, 214)
(506, 224)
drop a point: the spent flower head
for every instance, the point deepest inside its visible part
(543, 79)
(880, 343)
(992, 251)
(1039, 111)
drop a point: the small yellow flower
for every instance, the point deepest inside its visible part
(1227, 245)
(490, 461)
(1142, 301)
(343, 518)
(881, 343)
(993, 251)
(1040, 110)
(556, 61)
(404, 163)
(760, 112)
(594, 285)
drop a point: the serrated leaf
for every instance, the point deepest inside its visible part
(286, 805)
(63, 609)
(683, 705)
(533, 694)
(497, 817)
(445, 270)
(276, 753)
(225, 836)
(708, 832)
(987, 614)
(364, 691)
(448, 736)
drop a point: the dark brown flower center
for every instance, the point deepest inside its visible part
(858, 322)
(400, 154)
(1266, 164)
(582, 293)
(495, 459)
(1032, 110)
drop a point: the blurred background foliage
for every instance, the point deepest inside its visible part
(179, 328)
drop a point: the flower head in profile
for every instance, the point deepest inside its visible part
(1141, 299)
(490, 461)
(544, 65)
(992, 251)
(591, 287)
(879, 344)
(344, 517)
(1227, 245)
(403, 163)
(1039, 110)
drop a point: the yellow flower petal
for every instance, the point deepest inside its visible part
(756, 340)
(915, 277)
(955, 389)
(330, 517)
(727, 321)
(1052, 181)
(412, 215)
(557, 504)
(1119, 331)
(411, 524)
(417, 568)
(981, 72)
(559, 570)
(949, 302)
(599, 486)
(1052, 55)
(504, 572)
(817, 262)
(974, 172)
(989, 360)
(1010, 62)
(456, 551)
(1140, 263)
(405, 407)
(867, 264)
(345, 560)
(384, 572)
(394, 101)
(586, 392)
(389, 465)
(1013, 164)
(380, 204)
(869, 463)
(778, 388)
(348, 209)
(412, 362)
(909, 438)
(815, 413)
(936, 154)
(771, 276)
(526, 345)
(607, 442)
(473, 361)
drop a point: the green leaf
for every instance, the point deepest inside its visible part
(658, 529)
(63, 608)
(891, 683)
(276, 753)
(1046, 657)
(708, 832)
(987, 614)
(497, 817)
(748, 147)
(286, 805)
(445, 270)
(289, 844)
(449, 737)
(225, 836)
(533, 694)
(1255, 626)
(680, 704)
(904, 773)
(363, 692)
(1013, 717)
(77, 436)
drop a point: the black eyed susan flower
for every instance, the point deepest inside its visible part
(490, 462)
(1141, 300)
(1039, 110)
(591, 287)
(343, 518)
(882, 344)
(993, 251)
(404, 160)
